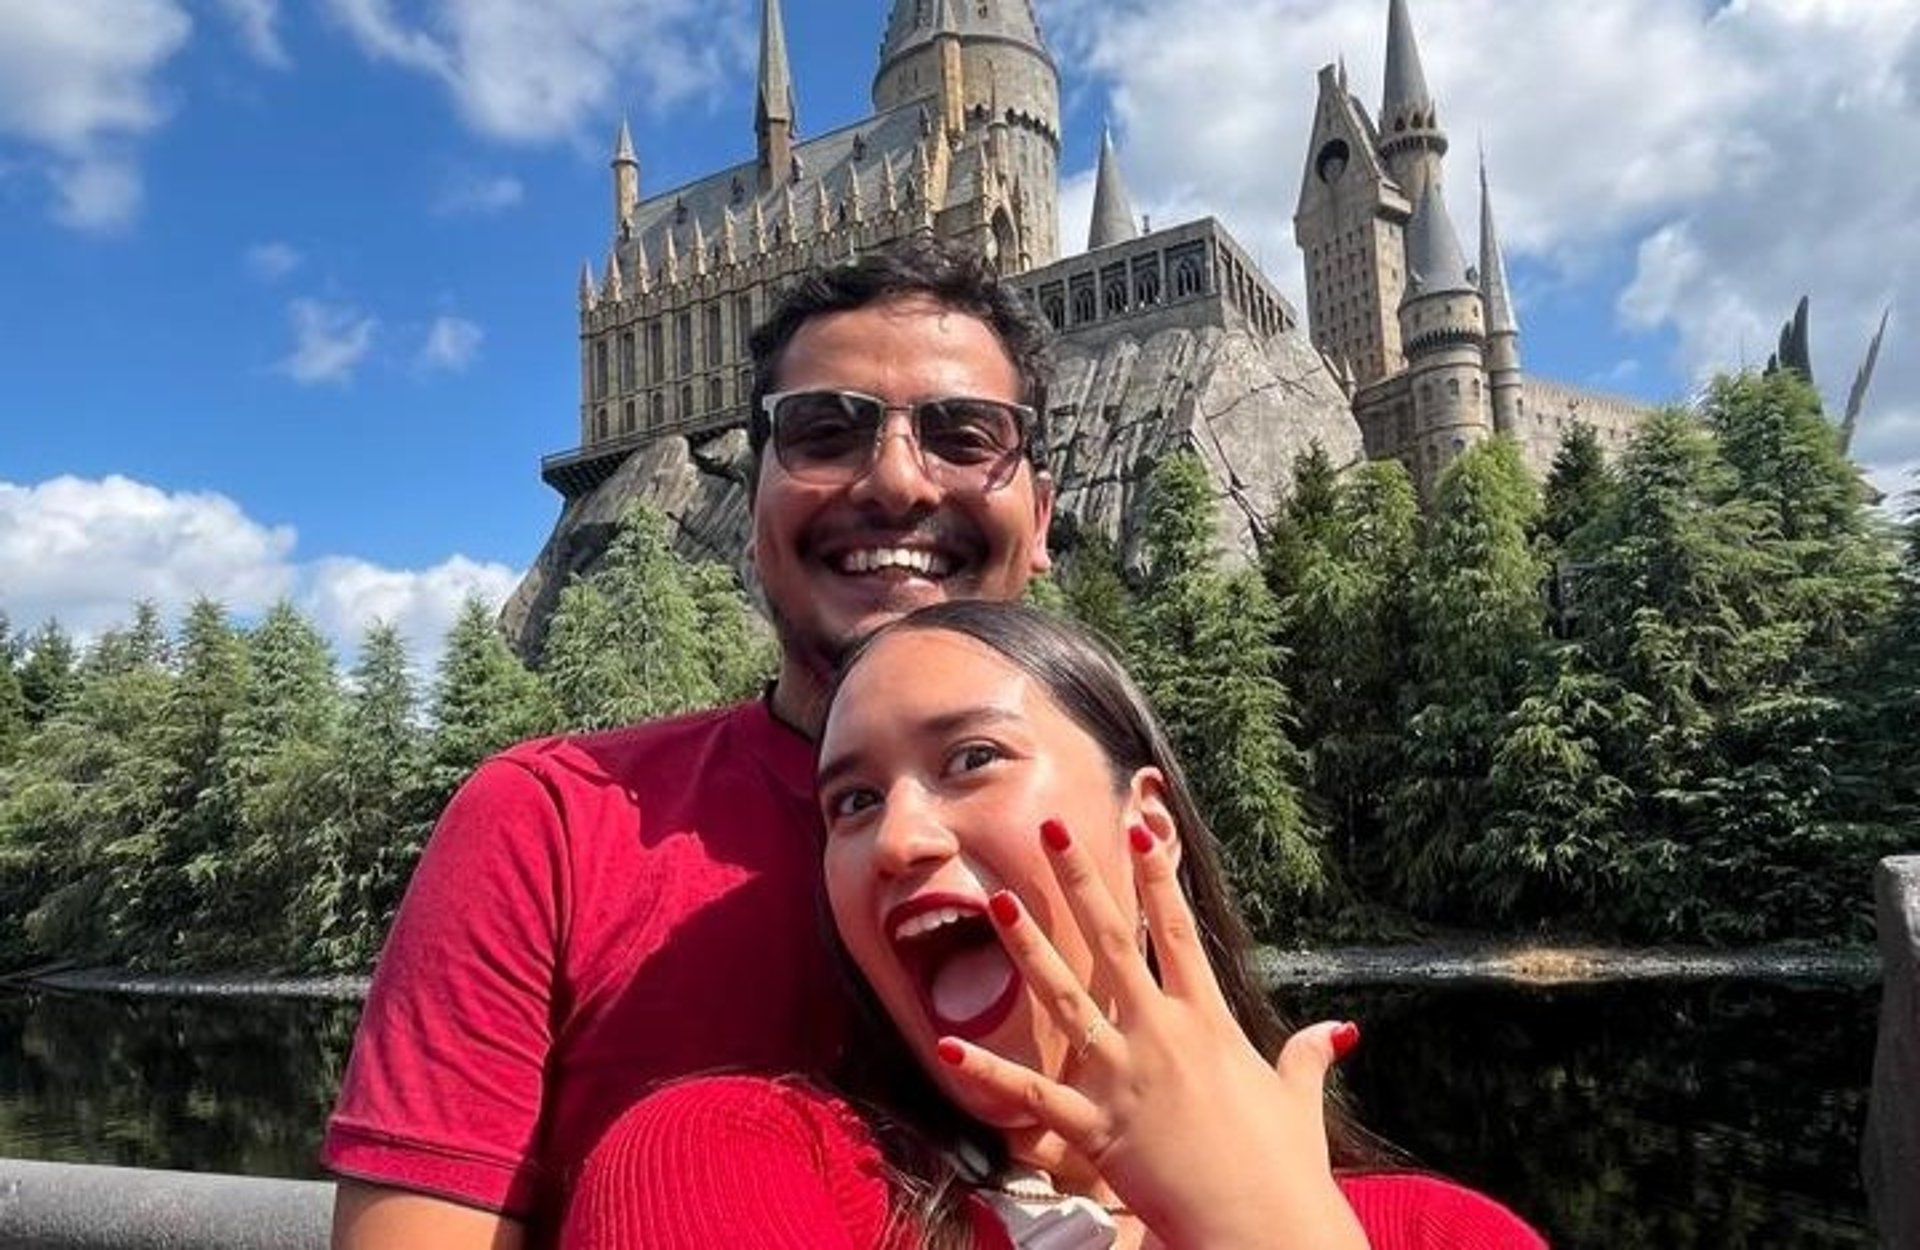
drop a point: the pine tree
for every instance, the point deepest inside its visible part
(738, 653)
(1580, 485)
(370, 838)
(13, 702)
(47, 675)
(1205, 652)
(1478, 619)
(272, 765)
(626, 642)
(1095, 590)
(1344, 622)
(483, 699)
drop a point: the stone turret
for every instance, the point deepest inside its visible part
(1443, 327)
(1411, 140)
(773, 113)
(1504, 381)
(1113, 219)
(626, 182)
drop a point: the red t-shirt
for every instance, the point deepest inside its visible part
(762, 1165)
(593, 915)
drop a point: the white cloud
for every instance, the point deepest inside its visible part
(330, 341)
(1700, 164)
(84, 550)
(453, 343)
(269, 262)
(529, 70)
(258, 23)
(78, 88)
(471, 194)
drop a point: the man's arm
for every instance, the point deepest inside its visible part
(374, 1217)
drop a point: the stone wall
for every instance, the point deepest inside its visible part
(1890, 1152)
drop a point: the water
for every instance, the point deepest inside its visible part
(1627, 1115)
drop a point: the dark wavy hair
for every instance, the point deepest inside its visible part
(919, 1129)
(953, 276)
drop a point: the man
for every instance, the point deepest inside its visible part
(597, 914)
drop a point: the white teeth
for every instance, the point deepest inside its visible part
(927, 921)
(925, 563)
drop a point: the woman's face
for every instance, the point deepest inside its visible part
(939, 761)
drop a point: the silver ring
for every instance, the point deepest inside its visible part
(1092, 1035)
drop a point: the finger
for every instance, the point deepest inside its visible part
(1109, 932)
(1311, 1052)
(1051, 981)
(1184, 970)
(1061, 1108)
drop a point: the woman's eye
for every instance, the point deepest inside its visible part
(973, 756)
(850, 803)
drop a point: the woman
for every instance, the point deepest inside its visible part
(1015, 866)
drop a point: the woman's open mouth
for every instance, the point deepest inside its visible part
(967, 983)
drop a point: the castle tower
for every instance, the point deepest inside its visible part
(1443, 325)
(1411, 140)
(1350, 224)
(978, 64)
(773, 109)
(626, 182)
(1504, 382)
(1113, 219)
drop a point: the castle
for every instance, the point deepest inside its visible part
(1168, 339)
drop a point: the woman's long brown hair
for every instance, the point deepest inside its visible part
(936, 1151)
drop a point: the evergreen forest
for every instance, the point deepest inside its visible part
(1671, 696)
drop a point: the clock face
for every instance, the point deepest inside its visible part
(1332, 161)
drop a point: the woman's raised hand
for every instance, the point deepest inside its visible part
(1209, 1142)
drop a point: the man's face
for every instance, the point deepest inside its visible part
(837, 561)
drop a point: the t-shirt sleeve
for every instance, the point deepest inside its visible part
(1415, 1211)
(443, 1092)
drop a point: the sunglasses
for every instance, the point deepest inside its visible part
(829, 438)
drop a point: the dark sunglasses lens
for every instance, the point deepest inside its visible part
(967, 433)
(820, 430)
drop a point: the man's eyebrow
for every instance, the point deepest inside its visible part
(944, 725)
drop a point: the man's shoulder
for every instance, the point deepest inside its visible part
(619, 754)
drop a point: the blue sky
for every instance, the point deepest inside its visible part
(287, 291)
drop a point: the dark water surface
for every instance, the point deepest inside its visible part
(1667, 1115)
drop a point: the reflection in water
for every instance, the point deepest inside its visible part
(1674, 1116)
(1699, 1115)
(231, 1086)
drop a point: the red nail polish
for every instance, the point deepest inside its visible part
(1005, 909)
(1055, 835)
(1141, 839)
(1345, 1038)
(951, 1052)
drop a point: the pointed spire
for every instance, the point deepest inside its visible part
(889, 183)
(1406, 88)
(615, 290)
(856, 210)
(670, 265)
(623, 146)
(642, 267)
(822, 208)
(1857, 396)
(789, 214)
(1113, 219)
(776, 82)
(589, 299)
(626, 181)
(699, 250)
(759, 225)
(1493, 266)
(1434, 260)
(729, 237)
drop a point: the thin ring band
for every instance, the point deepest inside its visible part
(1087, 1039)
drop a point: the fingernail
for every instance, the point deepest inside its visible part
(1005, 908)
(1055, 835)
(1345, 1037)
(1141, 839)
(951, 1052)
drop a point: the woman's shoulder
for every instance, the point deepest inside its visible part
(1419, 1211)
